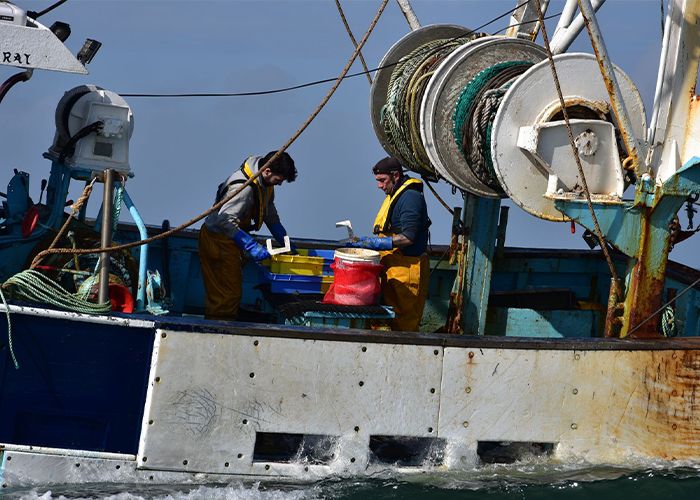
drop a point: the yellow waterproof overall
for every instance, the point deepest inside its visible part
(222, 269)
(222, 261)
(404, 279)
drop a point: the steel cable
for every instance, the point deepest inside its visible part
(616, 286)
(474, 113)
(352, 39)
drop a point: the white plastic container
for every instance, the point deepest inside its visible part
(357, 255)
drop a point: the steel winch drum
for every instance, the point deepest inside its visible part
(531, 100)
(442, 94)
(382, 78)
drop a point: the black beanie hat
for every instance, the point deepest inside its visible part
(387, 165)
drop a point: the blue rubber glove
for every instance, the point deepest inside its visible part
(373, 243)
(246, 243)
(279, 232)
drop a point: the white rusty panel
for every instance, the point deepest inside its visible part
(36, 48)
(598, 406)
(213, 392)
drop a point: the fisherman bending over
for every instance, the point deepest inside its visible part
(401, 227)
(224, 237)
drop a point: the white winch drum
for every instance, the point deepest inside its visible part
(382, 78)
(357, 255)
(443, 92)
(529, 101)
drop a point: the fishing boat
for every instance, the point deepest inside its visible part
(111, 373)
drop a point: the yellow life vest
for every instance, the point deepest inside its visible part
(262, 196)
(382, 221)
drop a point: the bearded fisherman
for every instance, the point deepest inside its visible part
(401, 229)
(224, 239)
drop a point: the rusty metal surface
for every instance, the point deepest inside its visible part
(634, 141)
(602, 407)
(215, 393)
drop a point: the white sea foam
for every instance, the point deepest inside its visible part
(234, 491)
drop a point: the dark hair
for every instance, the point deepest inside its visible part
(387, 165)
(283, 165)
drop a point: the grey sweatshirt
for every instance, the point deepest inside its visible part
(238, 212)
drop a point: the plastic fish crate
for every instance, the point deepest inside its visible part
(307, 263)
(342, 320)
(294, 283)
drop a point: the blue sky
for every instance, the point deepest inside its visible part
(182, 148)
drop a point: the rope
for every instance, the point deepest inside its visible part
(599, 233)
(437, 197)
(35, 287)
(668, 322)
(474, 113)
(9, 330)
(75, 208)
(406, 86)
(328, 80)
(352, 39)
(117, 207)
(225, 200)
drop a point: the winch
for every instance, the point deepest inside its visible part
(562, 135)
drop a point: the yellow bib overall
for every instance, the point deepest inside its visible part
(405, 278)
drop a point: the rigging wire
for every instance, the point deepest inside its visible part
(343, 75)
(663, 307)
(325, 80)
(36, 15)
(352, 39)
(565, 113)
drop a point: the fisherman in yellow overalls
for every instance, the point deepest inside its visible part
(224, 237)
(401, 227)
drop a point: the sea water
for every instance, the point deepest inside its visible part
(522, 480)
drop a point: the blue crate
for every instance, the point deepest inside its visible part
(292, 283)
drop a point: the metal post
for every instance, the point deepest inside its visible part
(635, 148)
(568, 29)
(524, 23)
(143, 251)
(106, 235)
(673, 134)
(409, 14)
(482, 227)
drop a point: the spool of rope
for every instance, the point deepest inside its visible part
(400, 114)
(473, 117)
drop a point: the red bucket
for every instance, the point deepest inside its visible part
(354, 283)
